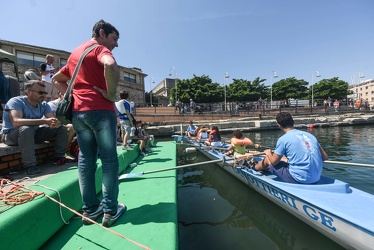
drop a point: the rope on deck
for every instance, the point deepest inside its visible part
(18, 194)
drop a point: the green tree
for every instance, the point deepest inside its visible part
(290, 88)
(333, 87)
(202, 89)
(261, 88)
(198, 88)
(243, 90)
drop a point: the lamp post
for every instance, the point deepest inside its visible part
(317, 75)
(273, 75)
(150, 89)
(175, 83)
(360, 76)
(224, 83)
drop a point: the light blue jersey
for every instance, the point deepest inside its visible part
(304, 157)
(28, 111)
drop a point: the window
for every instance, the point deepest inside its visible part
(30, 58)
(129, 77)
(63, 62)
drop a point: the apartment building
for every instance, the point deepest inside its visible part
(364, 91)
(31, 56)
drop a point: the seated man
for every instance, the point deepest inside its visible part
(22, 118)
(298, 156)
(192, 130)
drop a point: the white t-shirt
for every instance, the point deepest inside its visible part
(48, 77)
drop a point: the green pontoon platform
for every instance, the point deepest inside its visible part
(149, 222)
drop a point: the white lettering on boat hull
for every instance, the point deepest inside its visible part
(289, 200)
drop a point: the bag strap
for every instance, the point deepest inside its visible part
(72, 80)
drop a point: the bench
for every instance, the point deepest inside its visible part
(10, 156)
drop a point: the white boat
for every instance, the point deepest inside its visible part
(340, 212)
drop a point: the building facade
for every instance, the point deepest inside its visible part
(30, 57)
(162, 90)
(364, 91)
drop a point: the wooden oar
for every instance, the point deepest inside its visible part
(130, 175)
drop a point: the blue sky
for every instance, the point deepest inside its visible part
(245, 38)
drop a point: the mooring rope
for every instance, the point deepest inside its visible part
(16, 195)
(19, 194)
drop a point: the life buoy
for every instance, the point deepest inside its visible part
(241, 142)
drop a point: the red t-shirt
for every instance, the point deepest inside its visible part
(91, 73)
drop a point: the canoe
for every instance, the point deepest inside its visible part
(338, 211)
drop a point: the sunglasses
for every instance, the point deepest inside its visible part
(39, 92)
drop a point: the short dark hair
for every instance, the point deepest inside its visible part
(285, 119)
(238, 134)
(123, 94)
(29, 84)
(107, 27)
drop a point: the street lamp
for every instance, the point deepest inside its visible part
(317, 75)
(360, 76)
(175, 82)
(224, 83)
(273, 75)
(150, 91)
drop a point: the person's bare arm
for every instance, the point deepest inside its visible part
(274, 159)
(17, 120)
(111, 74)
(60, 81)
(325, 157)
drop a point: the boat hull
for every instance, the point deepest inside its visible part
(332, 207)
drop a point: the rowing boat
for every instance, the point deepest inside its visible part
(332, 207)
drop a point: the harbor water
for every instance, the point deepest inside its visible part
(217, 211)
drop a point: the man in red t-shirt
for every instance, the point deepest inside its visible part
(95, 121)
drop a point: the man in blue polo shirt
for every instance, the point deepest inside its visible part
(22, 118)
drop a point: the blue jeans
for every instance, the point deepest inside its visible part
(97, 130)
